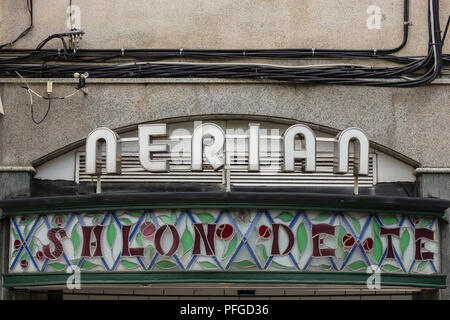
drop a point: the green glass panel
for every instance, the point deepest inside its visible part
(126, 221)
(87, 265)
(357, 265)
(134, 214)
(264, 252)
(285, 216)
(207, 265)
(75, 239)
(139, 239)
(377, 248)
(186, 241)
(128, 264)
(342, 233)
(322, 216)
(205, 217)
(57, 266)
(422, 265)
(231, 246)
(302, 238)
(356, 225)
(388, 267)
(166, 219)
(245, 264)
(388, 220)
(151, 251)
(404, 241)
(165, 264)
(111, 234)
(425, 222)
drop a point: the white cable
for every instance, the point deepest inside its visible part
(30, 91)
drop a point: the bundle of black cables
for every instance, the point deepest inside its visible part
(412, 72)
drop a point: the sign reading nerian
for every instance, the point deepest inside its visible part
(210, 140)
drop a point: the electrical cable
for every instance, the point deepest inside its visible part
(411, 72)
(48, 98)
(30, 10)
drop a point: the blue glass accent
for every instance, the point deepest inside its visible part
(153, 261)
(307, 220)
(334, 218)
(136, 227)
(191, 262)
(348, 257)
(412, 265)
(105, 264)
(293, 260)
(217, 262)
(69, 221)
(398, 259)
(332, 263)
(382, 258)
(116, 262)
(25, 243)
(269, 261)
(432, 223)
(432, 265)
(401, 221)
(116, 219)
(307, 263)
(412, 223)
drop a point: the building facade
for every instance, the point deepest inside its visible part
(224, 149)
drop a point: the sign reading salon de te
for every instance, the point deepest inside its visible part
(216, 239)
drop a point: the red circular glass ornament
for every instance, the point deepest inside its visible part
(348, 240)
(148, 230)
(264, 232)
(368, 244)
(225, 232)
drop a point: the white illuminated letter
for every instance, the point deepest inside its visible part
(309, 153)
(253, 147)
(94, 149)
(213, 149)
(361, 152)
(146, 148)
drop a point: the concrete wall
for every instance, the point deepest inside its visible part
(413, 122)
(222, 23)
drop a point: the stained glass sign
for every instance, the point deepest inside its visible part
(222, 240)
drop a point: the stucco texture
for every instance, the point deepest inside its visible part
(413, 122)
(240, 24)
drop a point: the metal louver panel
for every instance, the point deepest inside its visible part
(270, 173)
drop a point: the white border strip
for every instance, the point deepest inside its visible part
(432, 170)
(17, 169)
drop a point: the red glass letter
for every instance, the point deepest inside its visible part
(127, 251)
(420, 234)
(317, 230)
(58, 247)
(208, 240)
(87, 235)
(275, 245)
(390, 233)
(175, 237)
